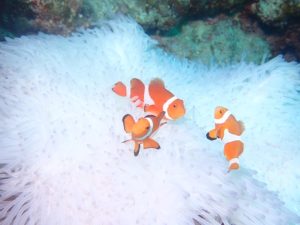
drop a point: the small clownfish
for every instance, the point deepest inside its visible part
(153, 98)
(229, 130)
(142, 130)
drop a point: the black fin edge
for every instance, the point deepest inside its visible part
(138, 151)
(209, 138)
(123, 121)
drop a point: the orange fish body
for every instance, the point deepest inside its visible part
(142, 130)
(229, 130)
(153, 98)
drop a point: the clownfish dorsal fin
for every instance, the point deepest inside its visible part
(242, 126)
(128, 122)
(136, 83)
(157, 82)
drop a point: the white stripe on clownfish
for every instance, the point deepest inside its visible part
(234, 160)
(166, 106)
(128, 90)
(136, 100)
(229, 137)
(223, 118)
(147, 98)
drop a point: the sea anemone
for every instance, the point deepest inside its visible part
(61, 156)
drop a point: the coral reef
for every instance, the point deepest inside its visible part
(61, 156)
(279, 24)
(276, 19)
(222, 41)
(276, 12)
(55, 16)
(150, 14)
(64, 16)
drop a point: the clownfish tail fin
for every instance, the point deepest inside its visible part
(120, 89)
(128, 123)
(233, 164)
(241, 123)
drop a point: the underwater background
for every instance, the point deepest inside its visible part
(62, 160)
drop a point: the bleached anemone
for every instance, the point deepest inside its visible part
(62, 160)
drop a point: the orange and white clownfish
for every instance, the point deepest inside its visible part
(153, 98)
(142, 130)
(229, 130)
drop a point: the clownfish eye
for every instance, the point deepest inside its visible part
(147, 128)
(174, 106)
(220, 111)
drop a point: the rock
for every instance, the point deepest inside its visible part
(222, 41)
(276, 12)
(55, 16)
(286, 43)
(277, 22)
(15, 18)
(5, 33)
(149, 13)
(64, 16)
(213, 7)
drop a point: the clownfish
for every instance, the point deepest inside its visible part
(229, 130)
(142, 130)
(153, 98)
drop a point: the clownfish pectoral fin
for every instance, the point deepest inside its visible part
(210, 138)
(120, 89)
(150, 143)
(128, 123)
(161, 116)
(136, 148)
(242, 126)
(212, 135)
(164, 123)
